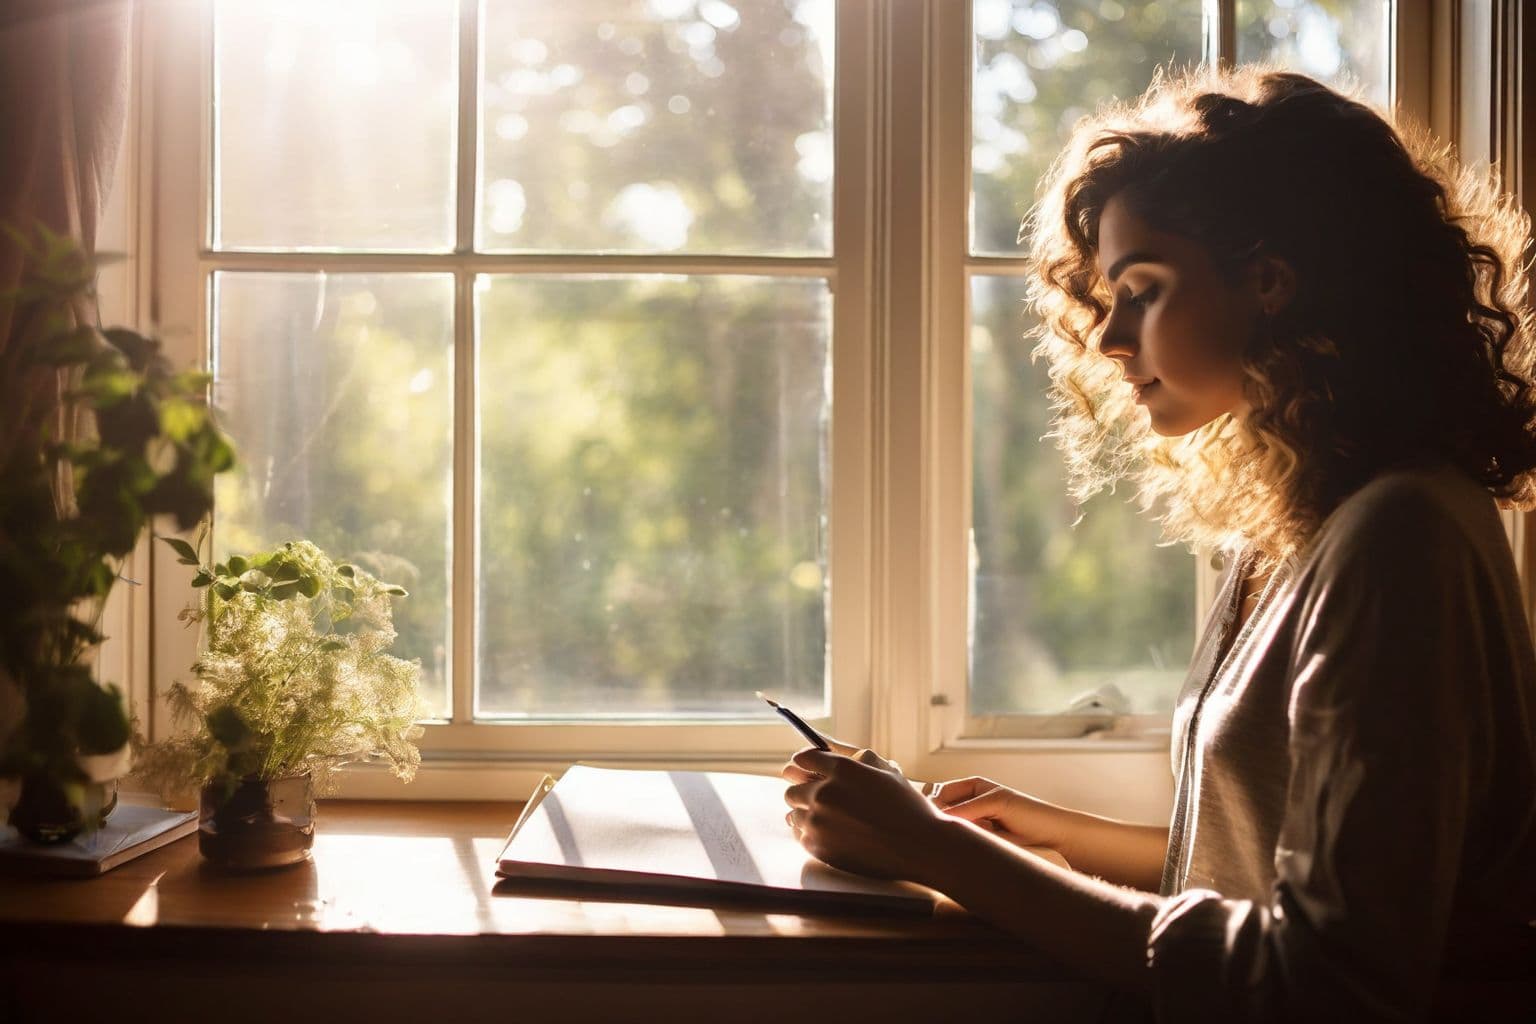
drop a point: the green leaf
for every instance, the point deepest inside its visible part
(285, 572)
(182, 548)
(224, 590)
(238, 565)
(284, 591)
(103, 724)
(202, 579)
(309, 586)
(346, 570)
(107, 387)
(227, 726)
(141, 351)
(180, 419)
(394, 591)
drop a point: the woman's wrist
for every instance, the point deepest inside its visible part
(950, 854)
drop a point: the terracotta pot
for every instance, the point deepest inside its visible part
(261, 823)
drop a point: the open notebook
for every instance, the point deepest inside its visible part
(686, 835)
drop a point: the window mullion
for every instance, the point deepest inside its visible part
(468, 138)
(1221, 32)
(465, 518)
(462, 585)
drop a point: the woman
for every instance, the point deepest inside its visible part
(1307, 341)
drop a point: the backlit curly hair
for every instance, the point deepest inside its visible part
(1408, 338)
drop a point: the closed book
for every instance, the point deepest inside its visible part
(130, 831)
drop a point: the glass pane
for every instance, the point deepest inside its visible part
(335, 124)
(1057, 610)
(338, 391)
(657, 126)
(1039, 66)
(1334, 41)
(653, 456)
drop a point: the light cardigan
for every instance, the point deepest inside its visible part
(1354, 829)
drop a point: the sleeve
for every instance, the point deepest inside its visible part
(1387, 666)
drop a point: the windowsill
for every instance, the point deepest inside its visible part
(399, 906)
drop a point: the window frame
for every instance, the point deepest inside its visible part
(900, 493)
(181, 281)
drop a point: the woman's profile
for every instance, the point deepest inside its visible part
(1305, 337)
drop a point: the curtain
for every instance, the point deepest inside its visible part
(63, 101)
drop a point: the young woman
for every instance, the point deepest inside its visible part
(1305, 337)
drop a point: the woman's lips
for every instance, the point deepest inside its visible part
(1142, 389)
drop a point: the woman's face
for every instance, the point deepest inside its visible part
(1176, 326)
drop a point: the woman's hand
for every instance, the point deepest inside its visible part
(859, 814)
(1016, 817)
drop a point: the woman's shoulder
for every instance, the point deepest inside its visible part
(1413, 508)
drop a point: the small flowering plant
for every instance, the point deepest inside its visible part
(296, 675)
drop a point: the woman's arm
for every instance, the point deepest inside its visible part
(861, 816)
(1090, 925)
(1116, 851)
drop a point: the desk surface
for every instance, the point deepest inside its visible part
(428, 869)
(400, 906)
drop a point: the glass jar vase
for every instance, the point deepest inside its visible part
(259, 823)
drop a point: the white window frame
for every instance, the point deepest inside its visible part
(462, 749)
(900, 490)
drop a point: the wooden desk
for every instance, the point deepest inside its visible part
(396, 918)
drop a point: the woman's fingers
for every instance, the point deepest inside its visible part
(957, 790)
(800, 794)
(817, 762)
(794, 773)
(994, 803)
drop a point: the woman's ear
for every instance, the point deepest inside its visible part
(1274, 282)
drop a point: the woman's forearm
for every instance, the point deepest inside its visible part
(1095, 927)
(1115, 851)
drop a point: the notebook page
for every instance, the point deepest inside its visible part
(708, 825)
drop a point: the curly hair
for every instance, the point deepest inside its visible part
(1408, 337)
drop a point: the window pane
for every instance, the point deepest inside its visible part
(334, 124)
(657, 126)
(338, 392)
(1038, 68)
(1331, 40)
(1057, 610)
(653, 456)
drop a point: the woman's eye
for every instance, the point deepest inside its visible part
(1143, 299)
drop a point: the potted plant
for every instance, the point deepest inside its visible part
(295, 678)
(98, 434)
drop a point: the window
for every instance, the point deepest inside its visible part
(622, 334)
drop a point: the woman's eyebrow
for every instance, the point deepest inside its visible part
(1124, 261)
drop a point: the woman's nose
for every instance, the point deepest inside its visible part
(1117, 339)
